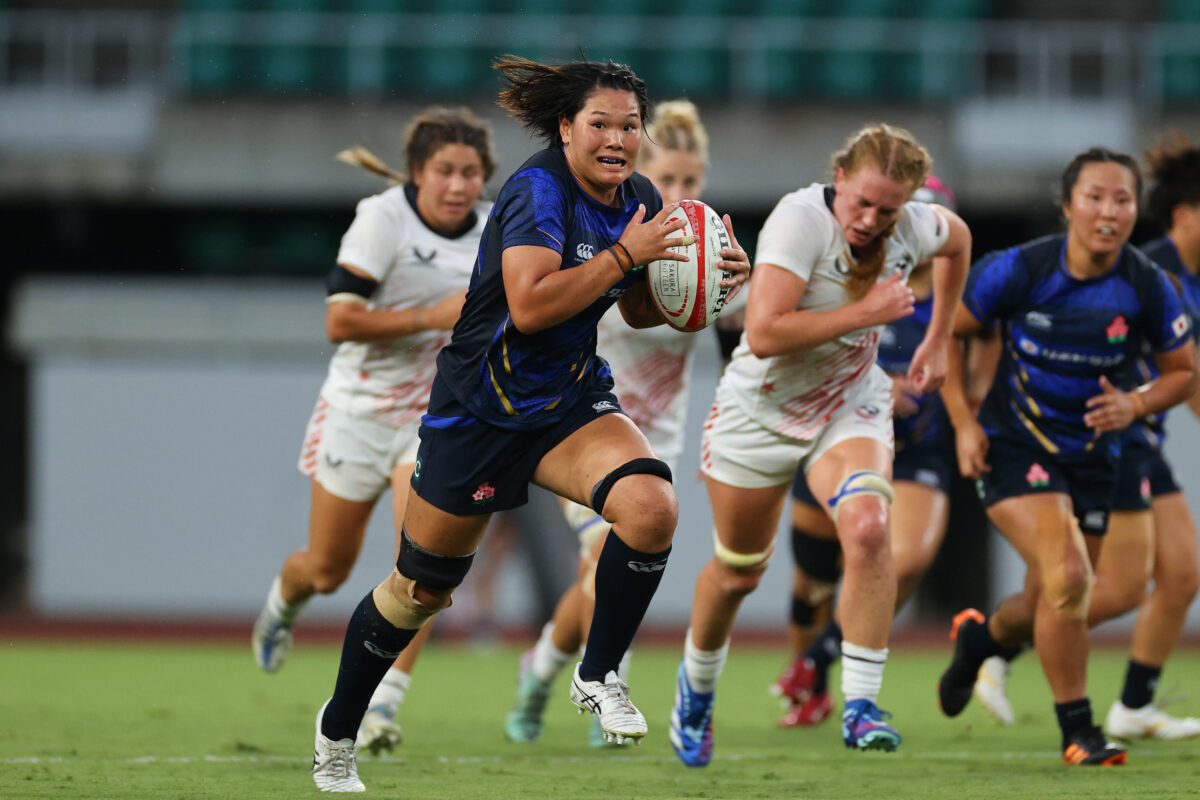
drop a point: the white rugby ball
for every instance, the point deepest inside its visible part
(689, 293)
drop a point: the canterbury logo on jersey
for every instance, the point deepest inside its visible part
(647, 566)
(583, 252)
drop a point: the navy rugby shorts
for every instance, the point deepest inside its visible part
(465, 466)
(1143, 475)
(1020, 468)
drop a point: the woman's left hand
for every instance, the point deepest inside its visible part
(927, 370)
(735, 260)
(1111, 410)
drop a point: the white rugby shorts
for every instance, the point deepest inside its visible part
(353, 457)
(739, 451)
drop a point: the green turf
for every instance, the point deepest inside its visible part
(160, 721)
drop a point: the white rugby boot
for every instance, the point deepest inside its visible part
(991, 687)
(334, 768)
(271, 641)
(620, 721)
(378, 731)
(1148, 722)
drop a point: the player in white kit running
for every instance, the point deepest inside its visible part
(803, 390)
(401, 275)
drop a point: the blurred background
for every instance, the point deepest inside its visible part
(169, 206)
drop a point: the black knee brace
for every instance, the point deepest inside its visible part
(818, 557)
(430, 569)
(642, 466)
(803, 612)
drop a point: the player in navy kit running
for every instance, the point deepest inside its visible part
(521, 396)
(1153, 532)
(1074, 311)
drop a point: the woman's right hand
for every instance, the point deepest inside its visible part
(652, 240)
(442, 316)
(904, 400)
(971, 446)
(887, 301)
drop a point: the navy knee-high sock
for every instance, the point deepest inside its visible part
(626, 580)
(371, 645)
(824, 651)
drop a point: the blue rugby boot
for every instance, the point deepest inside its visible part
(691, 731)
(863, 727)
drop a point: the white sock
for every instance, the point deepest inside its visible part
(862, 671)
(391, 690)
(548, 660)
(703, 667)
(623, 667)
(279, 608)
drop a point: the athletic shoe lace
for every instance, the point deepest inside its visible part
(339, 763)
(614, 699)
(1172, 696)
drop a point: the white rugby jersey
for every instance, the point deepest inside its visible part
(797, 393)
(650, 367)
(389, 381)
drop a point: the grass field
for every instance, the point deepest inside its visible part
(171, 721)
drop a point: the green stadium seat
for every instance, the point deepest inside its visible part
(298, 61)
(214, 60)
(955, 9)
(1181, 78)
(1182, 11)
(702, 70)
(792, 74)
(868, 8)
(796, 8)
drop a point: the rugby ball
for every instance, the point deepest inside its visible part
(689, 293)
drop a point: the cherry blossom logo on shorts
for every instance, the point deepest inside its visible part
(1117, 330)
(1037, 476)
(484, 494)
(1144, 490)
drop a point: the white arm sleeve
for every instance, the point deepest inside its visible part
(372, 241)
(794, 237)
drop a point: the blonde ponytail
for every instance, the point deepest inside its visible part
(359, 156)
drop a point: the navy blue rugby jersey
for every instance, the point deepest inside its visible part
(517, 380)
(1162, 251)
(897, 343)
(1062, 333)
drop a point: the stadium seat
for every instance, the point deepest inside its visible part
(215, 61)
(294, 59)
(955, 9)
(1181, 78)
(1182, 11)
(701, 70)
(792, 73)
(869, 9)
(796, 8)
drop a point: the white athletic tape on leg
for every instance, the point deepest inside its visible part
(866, 481)
(741, 560)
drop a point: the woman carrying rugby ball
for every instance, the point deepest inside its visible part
(521, 396)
